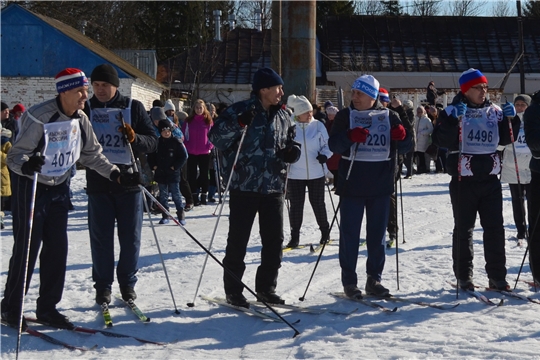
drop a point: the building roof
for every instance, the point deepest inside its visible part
(78, 37)
(427, 44)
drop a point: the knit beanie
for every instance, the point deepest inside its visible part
(523, 97)
(368, 85)
(169, 105)
(265, 78)
(408, 104)
(327, 104)
(470, 78)
(4, 106)
(332, 110)
(157, 103)
(70, 78)
(107, 73)
(157, 113)
(383, 95)
(300, 104)
(20, 107)
(164, 124)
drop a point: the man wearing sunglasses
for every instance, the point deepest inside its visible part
(471, 128)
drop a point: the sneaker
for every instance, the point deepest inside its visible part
(103, 296)
(237, 300)
(374, 287)
(466, 284)
(164, 221)
(55, 319)
(269, 297)
(501, 285)
(352, 292)
(188, 207)
(11, 318)
(128, 293)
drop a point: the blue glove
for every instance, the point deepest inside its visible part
(509, 110)
(459, 110)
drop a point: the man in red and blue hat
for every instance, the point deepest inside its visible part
(471, 128)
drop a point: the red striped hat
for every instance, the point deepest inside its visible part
(70, 78)
(470, 78)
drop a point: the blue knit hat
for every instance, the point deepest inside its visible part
(265, 78)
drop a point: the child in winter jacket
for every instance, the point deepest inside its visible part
(5, 183)
(167, 163)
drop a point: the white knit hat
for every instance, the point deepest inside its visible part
(368, 85)
(169, 105)
(332, 110)
(300, 104)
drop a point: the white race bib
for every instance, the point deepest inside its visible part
(480, 130)
(377, 145)
(62, 146)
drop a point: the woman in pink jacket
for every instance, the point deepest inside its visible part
(195, 129)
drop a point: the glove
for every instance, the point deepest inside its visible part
(398, 132)
(459, 110)
(128, 131)
(508, 109)
(358, 134)
(246, 118)
(290, 154)
(33, 165)
(322, 158)
(126, 179)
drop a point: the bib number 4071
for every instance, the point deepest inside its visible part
(62, 159)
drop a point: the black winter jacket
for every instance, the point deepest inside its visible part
(169, 159)
(446, 135)
(531, 121)
(145, 141)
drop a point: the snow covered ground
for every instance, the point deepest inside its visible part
(472, 330)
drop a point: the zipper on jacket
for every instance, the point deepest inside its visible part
(305, 152)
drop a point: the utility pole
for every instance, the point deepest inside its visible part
(521, 49)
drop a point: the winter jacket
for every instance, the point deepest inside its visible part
(313, 138)
(145, 141)
(196, 136)
(5, 182)
(424, 128)
(446, 135)
(333, 161)
(169, 159)
(368, 179)
(531, 120)
(523, 157)
(259, 168)
(31, 140)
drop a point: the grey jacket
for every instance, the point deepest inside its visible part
(31, 140)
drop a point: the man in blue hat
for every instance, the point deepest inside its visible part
(258, 183)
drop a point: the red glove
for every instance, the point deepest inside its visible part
(358, 134)
(398, 132)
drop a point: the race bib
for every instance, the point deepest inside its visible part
(480, 130)
(62, 147)
(377, 145)
(107, 123)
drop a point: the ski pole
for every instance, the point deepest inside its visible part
(27, 259)
(402, 216)
(244, 130)
(331, 199)
(134, 164)
(396, 213)
(457, 235)
(208, 253)
(303, 297)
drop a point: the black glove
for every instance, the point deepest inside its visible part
(246, 118)
(290, 154)
(322, 158)
(126, 179)
(33, 165)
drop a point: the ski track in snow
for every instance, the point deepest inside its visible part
(472, 330)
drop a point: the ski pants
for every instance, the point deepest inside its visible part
(351, 214)
(200, 180)
(243, 208)
(534, 225)
(469, 197)
(518, 204)
(49, 231)
(296, 193)
(104, 209)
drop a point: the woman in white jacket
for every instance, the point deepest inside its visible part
(309, 170)
(508, 172)
(424, 128)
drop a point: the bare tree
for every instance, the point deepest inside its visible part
(501, 8)
(369, 7)
(246, 13)
(426, 7)
(467, 7)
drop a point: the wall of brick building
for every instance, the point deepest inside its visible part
(34, 90)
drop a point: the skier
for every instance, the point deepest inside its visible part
(258, 182)
(474, 165)
(50, 131)
(368, 135)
